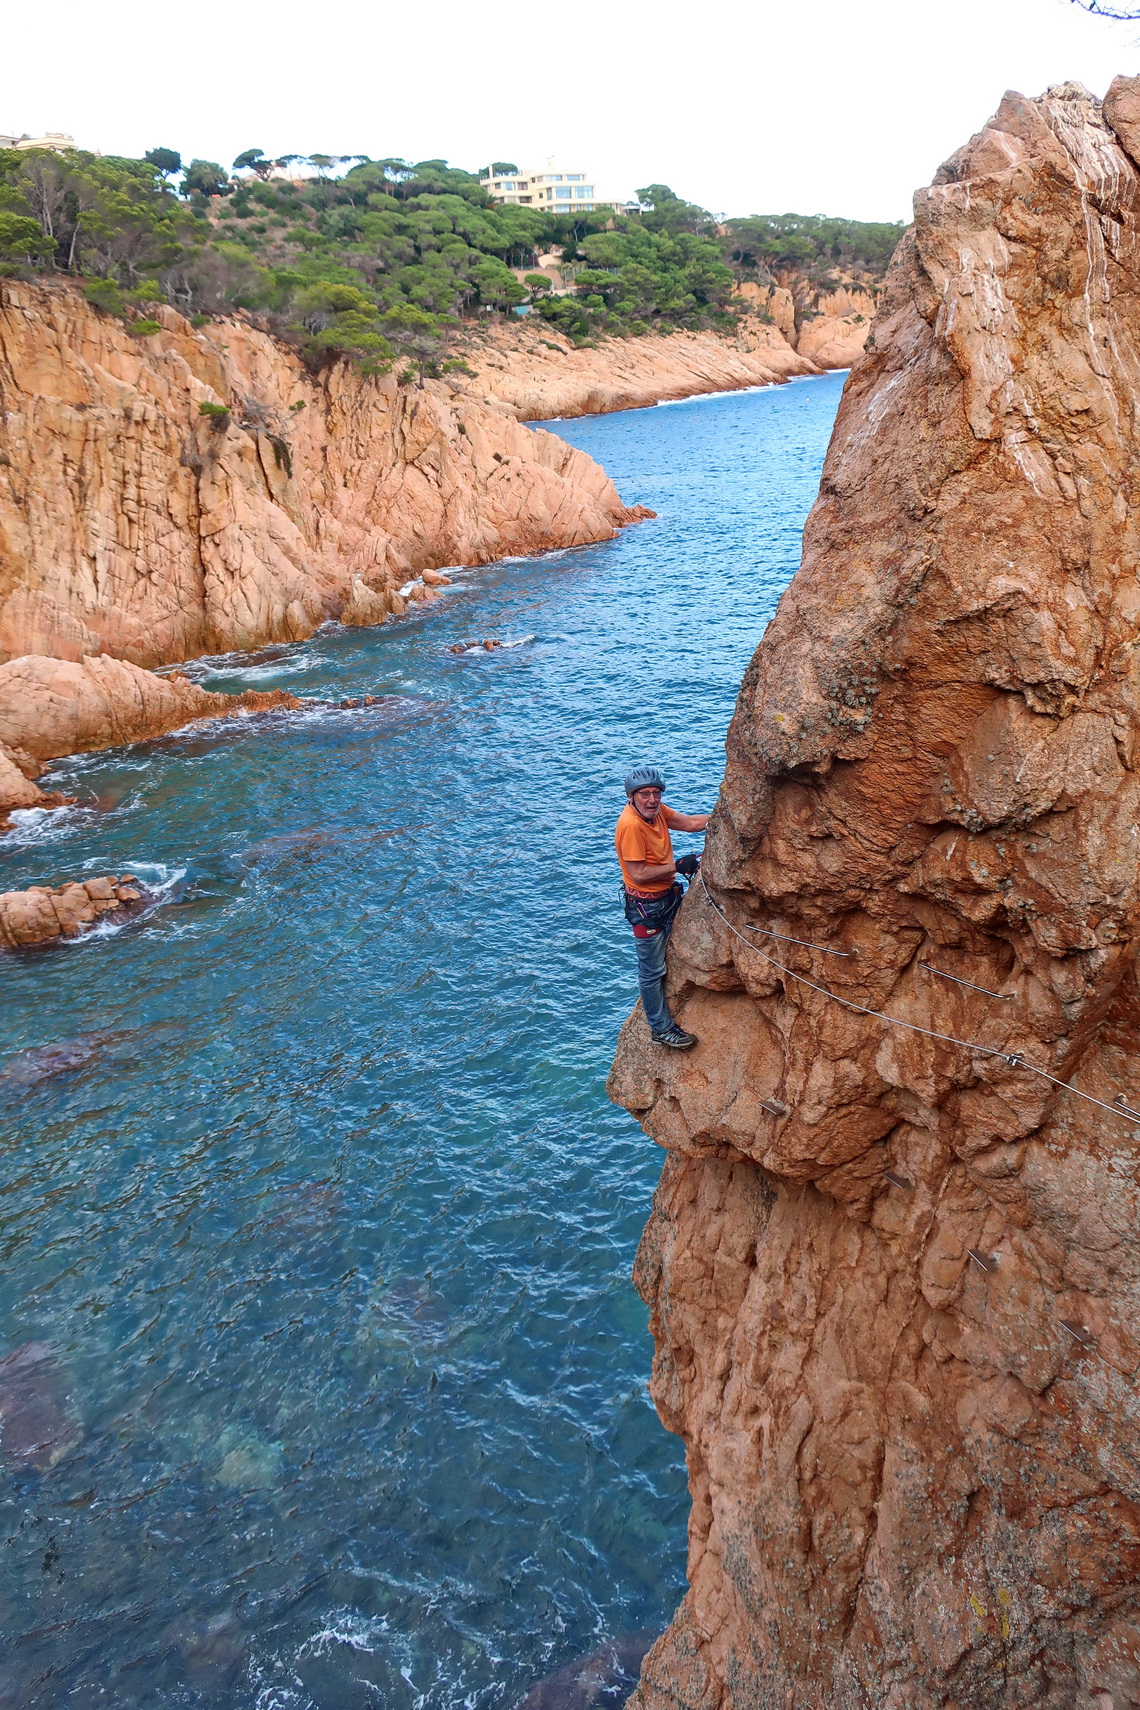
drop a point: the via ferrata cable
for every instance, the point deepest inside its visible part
(1013, 1058)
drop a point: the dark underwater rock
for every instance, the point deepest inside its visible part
(605, 1678)
(38, 1423)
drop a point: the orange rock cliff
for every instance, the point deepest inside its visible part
(137, 531)
(537, 374)
(893, 1279)
(132, 524)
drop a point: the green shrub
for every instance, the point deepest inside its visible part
(105, 294)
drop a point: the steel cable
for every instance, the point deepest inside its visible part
(1013, 1058)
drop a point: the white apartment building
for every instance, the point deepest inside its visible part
(57, 141)
(558, 192)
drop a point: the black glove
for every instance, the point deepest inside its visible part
(688, 864)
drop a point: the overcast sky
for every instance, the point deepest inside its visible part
(745, 106)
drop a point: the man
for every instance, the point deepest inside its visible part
(652, 895)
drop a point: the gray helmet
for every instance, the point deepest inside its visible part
(643, 778)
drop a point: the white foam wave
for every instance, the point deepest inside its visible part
(346, 1627)
(280, 658)
(163, 884)
(724, 392)
(32, 827)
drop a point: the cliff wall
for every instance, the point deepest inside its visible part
(537, 374)
(894, 1271)
(137, 531)
(827, 328)
(131, 524)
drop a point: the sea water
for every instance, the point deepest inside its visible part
(311, 1189)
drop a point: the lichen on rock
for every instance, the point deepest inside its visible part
(893, 1280)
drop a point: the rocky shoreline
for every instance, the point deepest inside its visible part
(53, 707)
(197, 491)
(540, 376)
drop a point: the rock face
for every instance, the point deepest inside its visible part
(834, 341)
(132, 524)
(894, 1279)
(827, 329)
(538, 374)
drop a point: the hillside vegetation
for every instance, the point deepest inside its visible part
(383, 261)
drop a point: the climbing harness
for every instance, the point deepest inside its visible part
(1013, 1058)
(650, 915)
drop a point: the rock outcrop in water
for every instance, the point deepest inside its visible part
(44, 914)
(52, 707)
(133, 524)
(894, 1279)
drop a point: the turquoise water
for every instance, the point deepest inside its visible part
(321, 1214)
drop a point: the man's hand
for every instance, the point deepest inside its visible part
(689, 865)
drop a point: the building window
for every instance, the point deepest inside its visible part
(575, 177)
(584, 190)
(556, 178)
(505, 185)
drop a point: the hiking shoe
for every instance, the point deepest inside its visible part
(676, 1039)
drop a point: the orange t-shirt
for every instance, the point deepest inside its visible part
(636, 840)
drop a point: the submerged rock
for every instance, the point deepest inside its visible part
(248, 1462)
(211, 1650)
(306, 1208)
(895, 1278)
(43, 1062)
(405, 1311)
(605, 1678)
(38, 1423)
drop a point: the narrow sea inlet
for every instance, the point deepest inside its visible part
(314, 1211)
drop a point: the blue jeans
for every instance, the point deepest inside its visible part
(658, 915)
(651, 978)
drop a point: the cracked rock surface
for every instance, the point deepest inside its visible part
(134, 525)
(136, 531)
(910, 1407)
